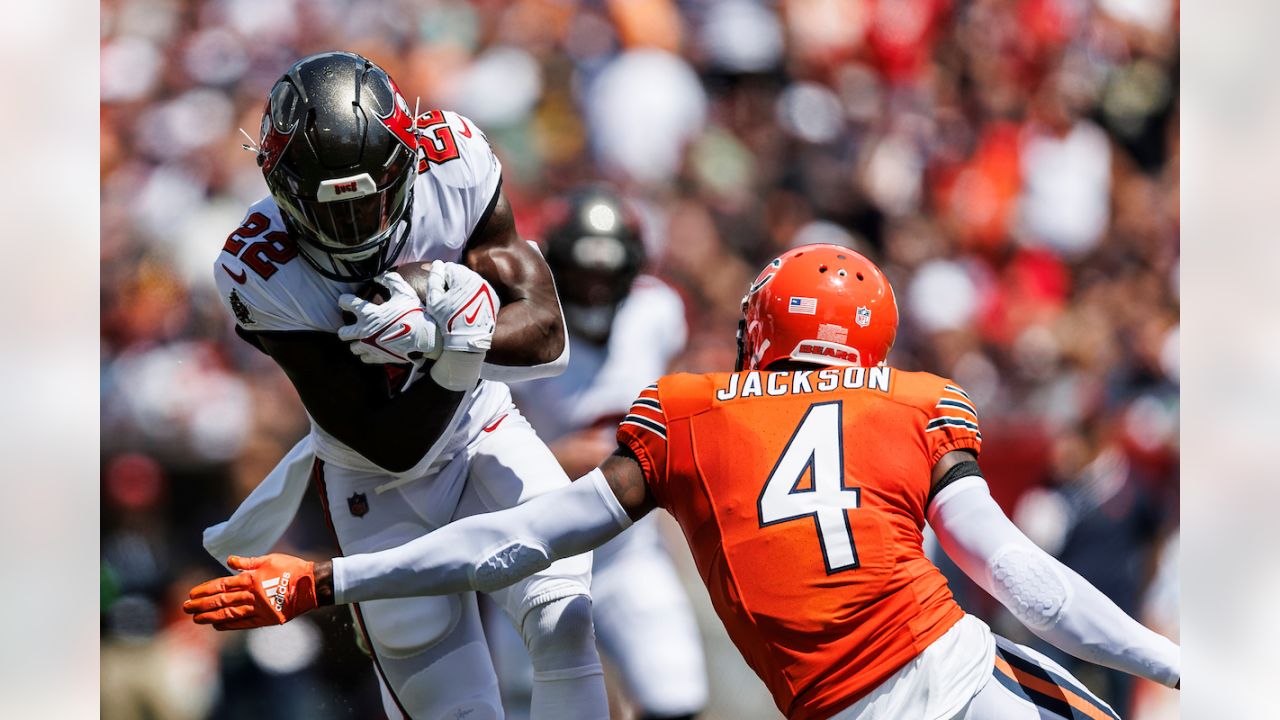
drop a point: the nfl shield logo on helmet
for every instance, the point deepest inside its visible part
(863, 317)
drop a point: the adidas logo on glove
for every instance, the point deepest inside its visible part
(277, 588)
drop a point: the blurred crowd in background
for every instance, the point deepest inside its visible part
(1011, 164)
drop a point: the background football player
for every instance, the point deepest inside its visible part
(802, 483)
(625, 328)
(360, 184)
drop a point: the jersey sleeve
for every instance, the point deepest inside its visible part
(458, 154)
(258, 303)
(644, 432)
(952, 423)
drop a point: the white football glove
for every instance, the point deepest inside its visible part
(397, 331)
(465, 308)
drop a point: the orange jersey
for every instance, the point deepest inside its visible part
(802, 496)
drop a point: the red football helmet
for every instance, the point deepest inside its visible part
(821, 304)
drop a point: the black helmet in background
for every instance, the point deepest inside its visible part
(595, 252)
(340, 156)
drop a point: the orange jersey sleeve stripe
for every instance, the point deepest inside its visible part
(646, 412)
(961, 405)
(646, 424)
(644, 432)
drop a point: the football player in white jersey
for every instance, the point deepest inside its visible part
(360, 185)
(625, 328)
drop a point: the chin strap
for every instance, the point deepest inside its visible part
(742, 342)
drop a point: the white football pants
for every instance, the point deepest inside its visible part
(430, 653)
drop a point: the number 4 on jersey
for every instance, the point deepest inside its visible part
(816, 449)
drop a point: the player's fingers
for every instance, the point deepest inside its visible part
(221, 585)
(196, 606)
(367, 353)
(245, 624)
(351, 332)
(210, 618)
(238, 562)
(354, 303)
(396, 283)
(437, 280)
(239, 613)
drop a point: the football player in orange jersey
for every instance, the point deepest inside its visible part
(802, 483)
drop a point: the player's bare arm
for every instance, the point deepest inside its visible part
(530, 328)
(626, 479)
(350, 399)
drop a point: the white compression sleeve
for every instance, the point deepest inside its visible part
(490, 551)
(1045, 595)
(518, 373)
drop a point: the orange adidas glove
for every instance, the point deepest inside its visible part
(269, 590)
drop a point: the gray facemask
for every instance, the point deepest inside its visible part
(590, 321)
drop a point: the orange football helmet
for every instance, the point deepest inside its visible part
(821, 304)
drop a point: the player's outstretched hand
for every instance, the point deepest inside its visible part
(268, 590)
(396, 331)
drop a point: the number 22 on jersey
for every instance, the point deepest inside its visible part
(262, 256)
(816, 452)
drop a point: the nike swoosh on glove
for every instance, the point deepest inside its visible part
(269, 590)
(397, 331)
(464, 305)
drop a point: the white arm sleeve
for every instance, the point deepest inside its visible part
(1045, 595)
(490, 551)
(518, 373)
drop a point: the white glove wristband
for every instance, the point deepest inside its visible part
(465, 307)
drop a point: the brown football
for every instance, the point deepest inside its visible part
(415, 273)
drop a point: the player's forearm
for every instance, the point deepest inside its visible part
(530, 326)
(1092, 627)
(487, 552)
(530, 333)
(1045, 595)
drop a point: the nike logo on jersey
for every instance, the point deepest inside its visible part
(496, 423)
(466, 129)
(238, 278)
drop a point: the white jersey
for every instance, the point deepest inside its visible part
(266, 286)
(642, 615)
(600, 383)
